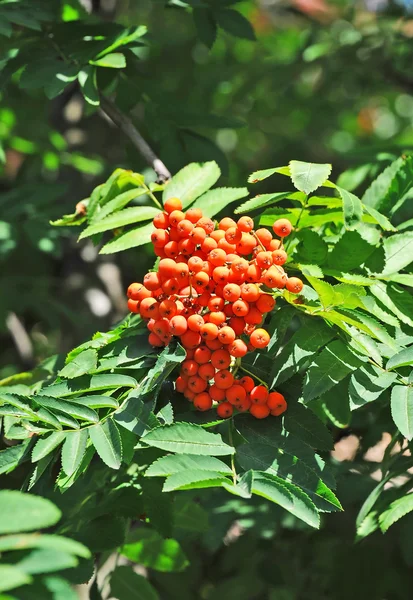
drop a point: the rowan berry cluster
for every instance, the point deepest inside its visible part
(208, 292)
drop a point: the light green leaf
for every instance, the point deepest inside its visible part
(186, 438)
(261, 200)
(289, 496)
(215, 200)
(397, 509)
(193, 480)
(72, 409)
(46, 560)
(177, 463)
(47, 444)
(12, 577)
(127, 216)
(43, 540)
(25, 512)
(351, 251)
(88, 85)
(397, 300)
(125, 584)
(130, 239)
(191, 182)
(263, 174)
(402, 409)
(96, 401)
(307, 177)
(148, 548)
(135, 415)
(10, 457)
(87, 384)
(401, 359)
(127, 36)
(73, 450)
(367, 384)
(106, 439)
(398, 250)
(115, 60)
(326, 292)
(352, 208)
(81, 364)
(117, 203)
(380, 219)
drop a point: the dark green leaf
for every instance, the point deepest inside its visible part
(185, 438)
(73, 450)
(235, 23)
(125, 584)
(47, 444)
(106, 439)
(88, 85)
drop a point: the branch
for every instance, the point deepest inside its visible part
(125, 124)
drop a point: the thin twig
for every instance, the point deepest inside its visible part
(125, 124)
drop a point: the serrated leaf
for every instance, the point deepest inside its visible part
(351, 251)
(117, 203)
(398, 251)
(96, 401)
(367, 384)
(72, 409)
(278, 326)
(135, 414)
(336, 405)
(380, 219)
(193, 480)
(125, 584)
(114, 60)
(88, 85)
(148, 548)
(176, 463)
(286, 495)
(260, 201)
(43, 540)
(81, 364)
(106, 439)
(25, 512)
(185, 438)
(390, 187)
(73, 450)
(191, 182)
(402, 409)
(307, 427)
(263, 174)
(401, 359)
(327, 293)
(352, 208)
(130, 239)
(311, 249)
(332, 365)
(307, 177)
(86, 384)
(11, 457)
(47, 444)
(397, 509)
(127, 216)
(215, 200)
(394, 298)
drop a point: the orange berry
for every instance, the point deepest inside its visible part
(226, 223)
(217, 235)
(172, 204)
(260, 338)
(193, 214)
(247, 383)
(206, 371)
(175, 217)
(236, 394)
(259, 411)
(161, 221)
(189, 353)
(282, 227)
(223, 379)
(206, 224)
(216, 304)
(178, 325)
(232, 292)
(189, 367)
(202, 355)
(167, 268)
(133, 305)
(238, 349)
(226, 246)
(181, 384)
(263, 235)
(265, 303)
(259, 394)
(189, 394)
(196, 384)
(155, 340)
(195, 322)
(190, 339)
(181, 270)
(264, 259)
(186, 246)
(171, 249)
(225, 410)
(245, 405)
(245, 224)
(198, 235)
(209, 331)
(167, 308)
(226, 335)
(161, 328)
(152, 281)
(221, 359)
(237, 324)
(220, 275)
(276, 403)
(273, 278)
(250, 292)
(253, 273)
(247, 244)
(203, 299)
(214, 344)
(274, 245)
(159, 237)
(279, 257)
(184, 228)
(203, 401)
(239, 265)
(217, 393)
(254, 316)
(294, 285)
(208, 244)
(170, 286)
(217, 257)
(149, 308)
(218, 318)
(137, 291)
(233, 235)
(241, 308)
(200, 279)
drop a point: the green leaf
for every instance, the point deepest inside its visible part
(336, 405)
(396, 299)
(260, 175)
(125, 584)
(177, 463)
(11, 457)
(87, 384)
(88, 85)
(397, 509)
(367, 384)
(115, 60)
(148, 548)
(81, 364)
(287, 495)
(185, 438)
(235, 23)
(127, 216)
(194, 480)
(73, 409)
(106, 439)
(312, 248)
(398, 250)
(261, 200)
(401, 359)
(307, 177)
(332, 365)
(47, 444)
(215, 200)
(191, 182)
(96, 401)
(205, 24)
(45, 560)
(135, 414)
(278, 326)
(130, 239)
(352, 208)
(45, 541)
(380, 219)
(117, 203)
(303, 423)
(391, 186)
(12, 577)
(73, 450)
(350, 252)
(402, 409)
(25, 512)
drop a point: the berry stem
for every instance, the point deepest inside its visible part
(259, 241)
(253, 375)
(190, 286)
(231, 441)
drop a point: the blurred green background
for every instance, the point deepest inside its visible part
(323, 81)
